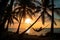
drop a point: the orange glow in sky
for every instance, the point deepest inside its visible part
(28, 20)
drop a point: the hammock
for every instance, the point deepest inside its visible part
(40, 29)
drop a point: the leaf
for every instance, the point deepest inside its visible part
(15, 18)
(29, 14)
(18, 8)
(31, 11)
(55, 23)
(38, 2)
(48, 15)
(57, 10)
(38, 9)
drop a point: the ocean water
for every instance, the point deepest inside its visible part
(56, 30)
(43, 32)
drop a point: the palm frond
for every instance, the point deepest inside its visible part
(31, 11)
(48, 15)
(38, 2)
(29, 14)
(57, 10)
(15, 18)
(38, 9)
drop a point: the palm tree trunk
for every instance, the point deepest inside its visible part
(24, 8)
(52, 21)
(30, 25)
(19, 26)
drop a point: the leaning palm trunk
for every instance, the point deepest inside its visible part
(52, 21)
(30, 26)
(19, 26)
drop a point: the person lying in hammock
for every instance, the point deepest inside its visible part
(38, 30)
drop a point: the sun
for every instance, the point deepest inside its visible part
(28, 20)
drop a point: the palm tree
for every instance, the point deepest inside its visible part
(26, 8)
(45, 5)
(52, 21)
(3, 4)
(19, 25)
(42, 15)
(51, 16)
(30, 26)
(7, 15)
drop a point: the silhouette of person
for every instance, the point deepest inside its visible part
(37, 30)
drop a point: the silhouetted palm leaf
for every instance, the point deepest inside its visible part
(29, 14)
(57, 10)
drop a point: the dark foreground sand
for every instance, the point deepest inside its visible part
(14, 36)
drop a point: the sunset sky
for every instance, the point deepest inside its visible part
(28, 21)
